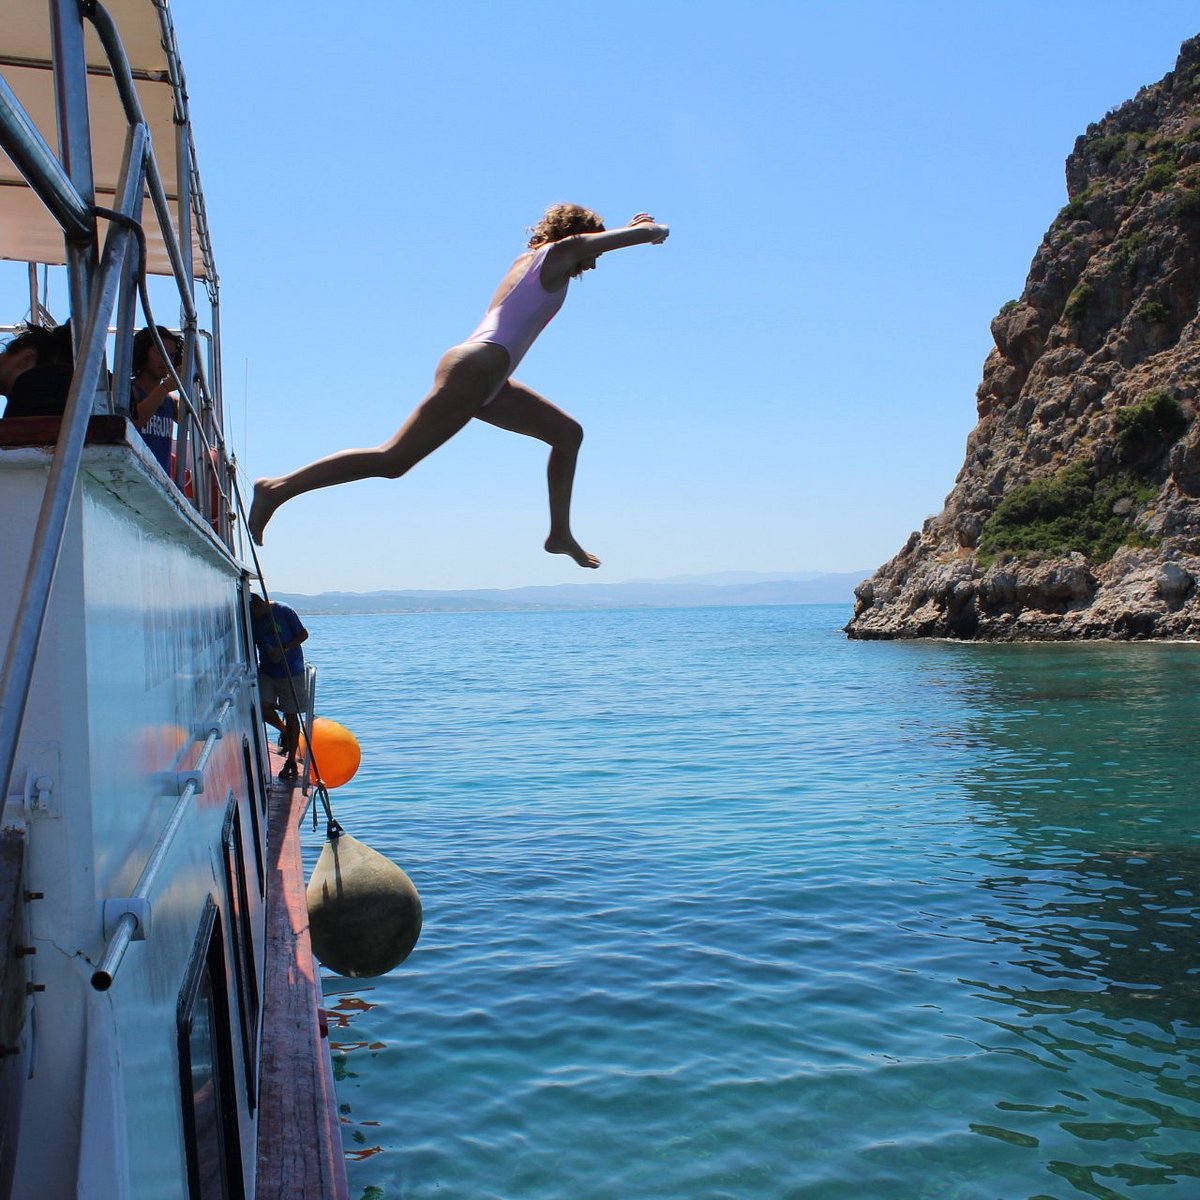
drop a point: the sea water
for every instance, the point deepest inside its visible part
(719, 904)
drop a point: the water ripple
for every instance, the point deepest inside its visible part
(719, 904)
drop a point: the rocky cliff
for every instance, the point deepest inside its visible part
(1077, 511)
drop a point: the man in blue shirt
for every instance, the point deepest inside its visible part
(278, 635)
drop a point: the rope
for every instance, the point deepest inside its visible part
(332, 829)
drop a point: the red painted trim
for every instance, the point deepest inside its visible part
(300, 1154)
(43, 431)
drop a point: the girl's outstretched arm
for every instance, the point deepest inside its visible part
(568, 257)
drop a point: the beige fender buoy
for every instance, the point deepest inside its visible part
(364, 914)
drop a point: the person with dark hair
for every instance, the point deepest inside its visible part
(35, 371)
(152, 404)
(474, 378)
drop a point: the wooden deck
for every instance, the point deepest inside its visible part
(300, 1154)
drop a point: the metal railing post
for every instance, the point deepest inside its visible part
(51, 526)
(127, 923)
(24, 144)
(310, 686)
(74, 140)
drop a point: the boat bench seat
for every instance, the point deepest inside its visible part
(103, 430)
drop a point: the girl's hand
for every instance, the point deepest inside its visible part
(647, 219)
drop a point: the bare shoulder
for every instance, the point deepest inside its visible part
(512, 277)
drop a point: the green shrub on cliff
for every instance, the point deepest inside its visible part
(1160, 176)
(1188, 204)
(1126, 250)
(1073, 510)
(1077, 301)
(1145, 431)
(1153, 311)
(1116, 147)
(1076, 208)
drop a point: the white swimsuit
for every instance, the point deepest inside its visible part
(522, 313)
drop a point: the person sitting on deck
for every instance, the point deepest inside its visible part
(278, 635)
(474, 378)
(152, 404)
(35, 372)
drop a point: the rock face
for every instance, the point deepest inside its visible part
(1077, 511)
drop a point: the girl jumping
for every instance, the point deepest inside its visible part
(474, 378)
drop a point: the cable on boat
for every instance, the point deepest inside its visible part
(364, 912)
(333, 830)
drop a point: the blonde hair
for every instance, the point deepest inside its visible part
(564, 221)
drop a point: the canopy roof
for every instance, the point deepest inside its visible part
(27, 231)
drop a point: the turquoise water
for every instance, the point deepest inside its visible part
(720, 904)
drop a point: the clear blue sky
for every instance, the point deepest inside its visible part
(854, 189)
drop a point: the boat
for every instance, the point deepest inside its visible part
(160, 1025)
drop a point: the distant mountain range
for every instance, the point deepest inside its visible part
(679, 591)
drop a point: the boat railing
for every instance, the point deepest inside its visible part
(97, 290)
(127, 918)
(64, 471)
(310, 681)
(40, 167)
(200, 454)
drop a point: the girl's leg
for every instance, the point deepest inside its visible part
(465, 378)
(520, 410)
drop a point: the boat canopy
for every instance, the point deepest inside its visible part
(28, 233)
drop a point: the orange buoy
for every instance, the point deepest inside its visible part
(335, 753)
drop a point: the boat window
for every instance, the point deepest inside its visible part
(256, 723)
(245, 636)
(206, 1070)
(241, 928)
(253, 793)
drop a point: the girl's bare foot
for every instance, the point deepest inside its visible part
(568, 545)
(262, 508)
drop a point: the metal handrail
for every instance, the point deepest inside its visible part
(24, 144)
(114, 50)
(49, 179)
(127, 924)
(51, 526)
(183, 117)
(207, 431)
(310, 686)
(46, 175)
